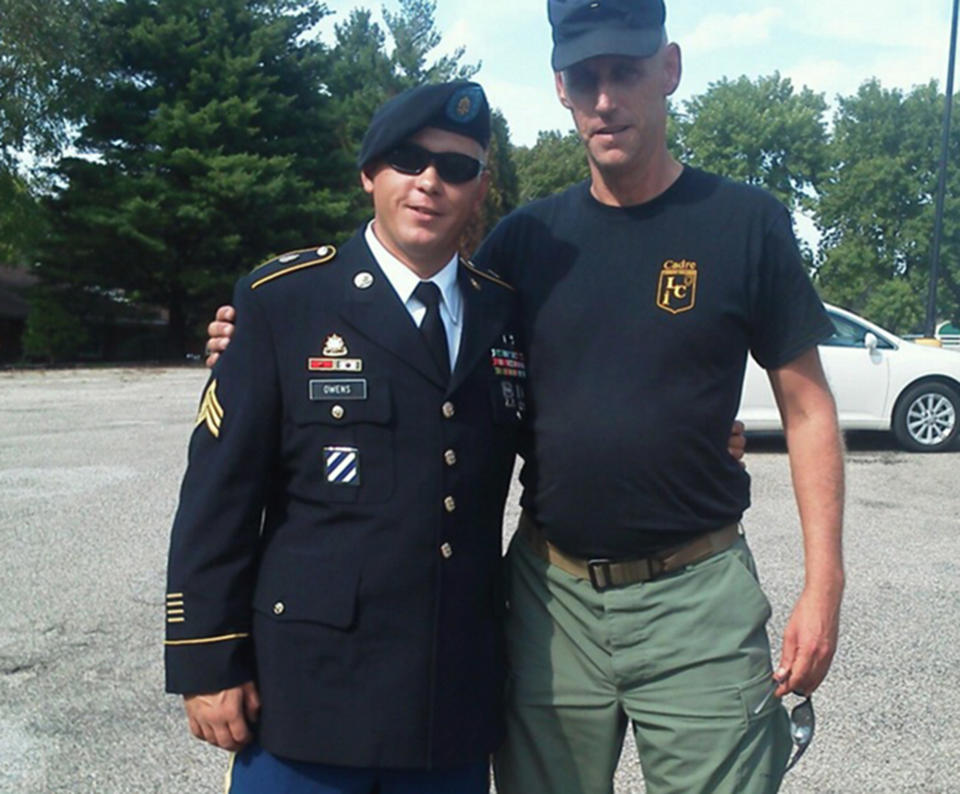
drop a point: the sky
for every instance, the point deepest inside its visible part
(831, 46)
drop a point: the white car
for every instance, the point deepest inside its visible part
(880, 382)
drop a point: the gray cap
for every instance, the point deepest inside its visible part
(586, 28)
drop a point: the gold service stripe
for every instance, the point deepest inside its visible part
(205, 640)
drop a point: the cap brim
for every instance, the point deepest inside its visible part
(607, 41)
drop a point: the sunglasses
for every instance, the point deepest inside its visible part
(452, 167)
(802, 722)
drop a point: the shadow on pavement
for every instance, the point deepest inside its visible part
(856, 440)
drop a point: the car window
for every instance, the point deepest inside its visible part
(847, 333)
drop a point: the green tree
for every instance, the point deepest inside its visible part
(45, 61)
(21, 218)
(502, 197)
(552, 164)
(54, 331)
(876, 206)
(212, 148)
(760, 132)
(415, 36)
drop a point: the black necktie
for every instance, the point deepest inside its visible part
(432, 326)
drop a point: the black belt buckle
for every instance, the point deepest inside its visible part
(599, 571)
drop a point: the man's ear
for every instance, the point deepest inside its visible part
(561, 90)
(672, 68)
(366, 179)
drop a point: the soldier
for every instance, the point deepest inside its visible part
(334, 594)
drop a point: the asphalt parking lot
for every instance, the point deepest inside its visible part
(90, 462)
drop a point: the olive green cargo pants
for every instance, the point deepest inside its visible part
(685, 658)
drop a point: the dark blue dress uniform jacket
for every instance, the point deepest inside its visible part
(368, 614)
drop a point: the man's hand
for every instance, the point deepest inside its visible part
(222, 718)
(737, 443)
(809, 642)
(220, 331)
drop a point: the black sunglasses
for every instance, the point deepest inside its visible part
(802, 722)
(452, 167)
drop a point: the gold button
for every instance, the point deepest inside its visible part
(447, 551)
(450, 504)
(448, 410)
(278, 608)
(337, 412)
(450, 457)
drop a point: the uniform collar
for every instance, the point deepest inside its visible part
(404, 281)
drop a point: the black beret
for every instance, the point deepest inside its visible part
(459, 107)
(586, 28)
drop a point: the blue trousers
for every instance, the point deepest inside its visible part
(255, 771)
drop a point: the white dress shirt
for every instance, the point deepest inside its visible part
(404, 281)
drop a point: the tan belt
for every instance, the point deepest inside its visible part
(603, 574)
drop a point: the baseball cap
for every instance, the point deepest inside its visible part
(586, 28)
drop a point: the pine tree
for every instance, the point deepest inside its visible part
(209, 146)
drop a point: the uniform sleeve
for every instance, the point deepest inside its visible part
(215, 536)
(788, 315)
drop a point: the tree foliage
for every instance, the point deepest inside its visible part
(502, 197)
(761, 132)
(46, 59)
(875, 210)
(212, 149)
(552, 164)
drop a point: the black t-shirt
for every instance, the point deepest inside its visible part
(638, 321)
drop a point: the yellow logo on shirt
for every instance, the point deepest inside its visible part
(677, 288)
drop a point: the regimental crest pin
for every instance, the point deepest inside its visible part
(464, 104)
(334, 346)
(677, 286)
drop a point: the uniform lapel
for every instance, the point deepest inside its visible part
(483, 319)
(375, 310)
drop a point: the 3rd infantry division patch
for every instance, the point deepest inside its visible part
(210, 411)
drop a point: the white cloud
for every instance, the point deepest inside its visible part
(835, 77)
(922, 24)
(717, 31)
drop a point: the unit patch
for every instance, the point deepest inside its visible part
(211, 412)
(339, 389)
(677, 288)
(335, 364)
(342, 465)
(508, 362)
(334, 345)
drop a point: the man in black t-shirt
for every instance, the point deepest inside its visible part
(633, 596)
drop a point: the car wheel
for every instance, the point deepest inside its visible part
(926, 418)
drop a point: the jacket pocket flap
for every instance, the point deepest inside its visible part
(301, 587)
(343, 401)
